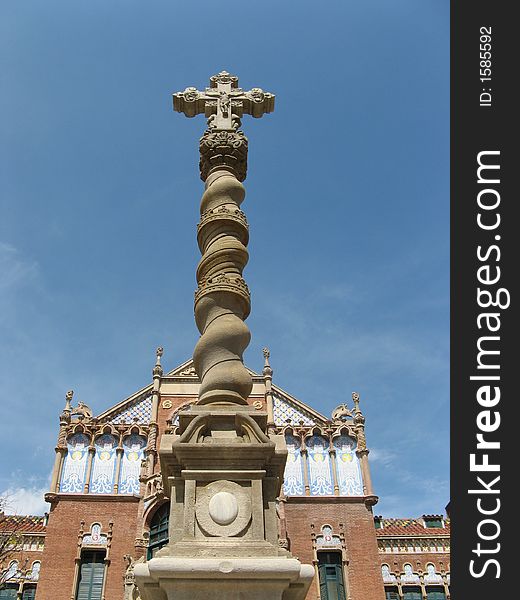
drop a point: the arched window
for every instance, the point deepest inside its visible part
(159, 529)
(12, 571)
(34, 573)
(293, 476)
(387, 576)
(320, 469)
(409, 576)
(431, 575)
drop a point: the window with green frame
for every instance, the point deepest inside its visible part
(391, 593)
(91, 575)
(330, 571)
(435, 592)
(434, 522)
(412, 592)
(29, 592)
(9, 591)
(159, 529)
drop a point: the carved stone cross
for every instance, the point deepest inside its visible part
(223, 102)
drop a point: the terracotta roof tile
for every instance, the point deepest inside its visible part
(22, 523)
(410, 527)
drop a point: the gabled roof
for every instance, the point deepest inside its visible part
(287, 408)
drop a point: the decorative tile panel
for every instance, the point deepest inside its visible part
(286, 412)
(139, 411)
(320, 467)
(133, 453)
(103, 468)
(348, 469)
(293, 477)
(74, 468)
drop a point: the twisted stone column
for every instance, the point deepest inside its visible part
(222, 300)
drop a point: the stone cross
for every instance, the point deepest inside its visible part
(223, 103)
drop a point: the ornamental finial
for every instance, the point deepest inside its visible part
(158, 370)
(68, 400)
(267, 366)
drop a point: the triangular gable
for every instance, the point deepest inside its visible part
(289, 411)
(138, 407)
(138, 411)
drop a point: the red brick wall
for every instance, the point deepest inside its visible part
(58, 566)
(364, 568)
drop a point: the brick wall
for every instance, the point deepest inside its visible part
(58, 564)
(364, 566)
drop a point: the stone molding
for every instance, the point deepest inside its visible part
(223, 150)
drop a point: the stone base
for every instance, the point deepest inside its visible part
(172, 578)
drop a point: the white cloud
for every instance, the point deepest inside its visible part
(26, 501)
(382, 456)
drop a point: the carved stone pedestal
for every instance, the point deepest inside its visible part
(223, 475)
(225, 578)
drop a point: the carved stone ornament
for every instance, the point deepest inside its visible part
(81, 410)
(223, 149)
(224, 283)
(223, 103)
(341, 413)
(361, 440)
(223, 78)
(223, 508)
(131, 592)
(189, 371)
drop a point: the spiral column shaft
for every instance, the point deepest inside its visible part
(222, 300)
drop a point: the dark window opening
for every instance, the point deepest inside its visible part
(29, 592)
(412, 593)
(391, 593)
(330, 570)
(435, 592)
(91, 575)
(159, 529)
(9, 592)
(434, 522)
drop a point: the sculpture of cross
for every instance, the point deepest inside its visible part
(223, 102)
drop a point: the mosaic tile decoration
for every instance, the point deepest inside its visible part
(140, 409)
(283, 410)
(293, 484)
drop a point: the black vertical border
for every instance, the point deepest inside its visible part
(476, 128)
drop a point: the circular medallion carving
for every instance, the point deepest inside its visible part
(223, 508)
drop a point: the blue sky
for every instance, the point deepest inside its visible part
(347, 200)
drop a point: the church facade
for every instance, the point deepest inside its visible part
(109, 510)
